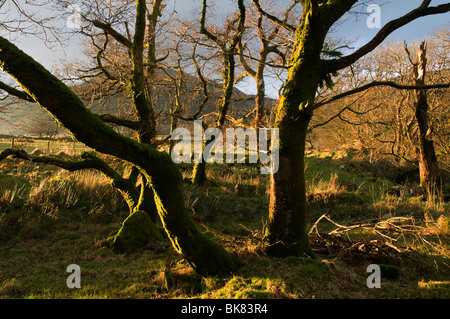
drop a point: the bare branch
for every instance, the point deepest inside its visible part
(203, 29)
(422, 11)
(380, 83)
(116, 35)
(274, 19)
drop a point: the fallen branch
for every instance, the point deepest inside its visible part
(391, 230)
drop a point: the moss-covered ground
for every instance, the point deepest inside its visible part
(50, 219)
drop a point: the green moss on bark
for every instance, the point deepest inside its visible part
(199, 174)
(286, 232)
(137, 231)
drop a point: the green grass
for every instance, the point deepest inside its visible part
(50, 219)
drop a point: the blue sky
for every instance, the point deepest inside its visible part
(351, 28)
(393, 9)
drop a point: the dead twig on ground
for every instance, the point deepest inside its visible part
(405, 232)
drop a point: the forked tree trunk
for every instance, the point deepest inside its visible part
(163, 176)
(428, 164)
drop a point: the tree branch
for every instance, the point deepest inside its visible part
(274, 19)
(88, 161)
(67, 107)
(108, 118)
(273, 49)
(380, 83)
(338, 114)
(15, 92)
(422, 11)
(116, 35)
(203, 29)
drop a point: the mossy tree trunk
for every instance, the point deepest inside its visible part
(162, 174)
(199, 173)
(258, 75)
(286, 231)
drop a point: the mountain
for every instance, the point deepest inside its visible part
(20, 118)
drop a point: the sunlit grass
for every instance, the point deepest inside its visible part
(51, 218)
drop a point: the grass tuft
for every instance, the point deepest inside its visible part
(50, 219)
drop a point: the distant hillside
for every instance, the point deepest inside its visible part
(18, 118)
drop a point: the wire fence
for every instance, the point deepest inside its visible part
(45, 146)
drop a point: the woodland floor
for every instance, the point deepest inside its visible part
(50, 219)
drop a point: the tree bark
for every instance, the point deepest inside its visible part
(286, 232)
(428, 164)
(199, 173)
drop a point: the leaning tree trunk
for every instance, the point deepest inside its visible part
(164, 177)
(139, 229)
(428, 164)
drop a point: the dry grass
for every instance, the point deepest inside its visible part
(46, 223)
